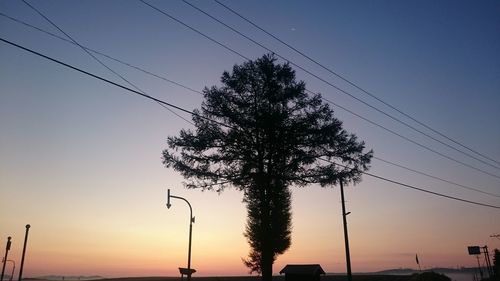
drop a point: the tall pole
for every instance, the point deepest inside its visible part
(189, 247)
(191, 221)
(479, 267)
(24, 252)
(7, 248)
(488, 261)
(346, 236)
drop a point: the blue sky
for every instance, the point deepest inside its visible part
(81, 156)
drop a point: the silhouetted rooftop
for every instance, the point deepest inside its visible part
(303, 269)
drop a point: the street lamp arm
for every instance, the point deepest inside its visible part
(190, 208)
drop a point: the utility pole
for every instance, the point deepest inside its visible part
(346, 236)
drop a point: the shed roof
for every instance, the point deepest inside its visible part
(303, 269)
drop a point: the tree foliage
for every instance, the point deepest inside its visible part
(260, 132)
(496, 263)
(429, 276)
(268, 228)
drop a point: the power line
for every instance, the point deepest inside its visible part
(222, 124)
(339, 89)
(353, 84)
(430, 192)
(193, 29)
(417, 188)
(343, 91)
(329, 101)
(434, 177)
(111, 82)
(176, 83)
(410, 140)
(102, 54)
(186, 87)
(98, 60)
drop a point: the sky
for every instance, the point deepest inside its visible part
(81, 159)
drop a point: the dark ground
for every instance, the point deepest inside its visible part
(361, 277)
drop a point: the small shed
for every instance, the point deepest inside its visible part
(302, 272)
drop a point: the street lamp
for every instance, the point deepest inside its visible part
(24, 252)
(4, 260)
(185, 271)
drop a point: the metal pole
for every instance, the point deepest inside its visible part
(24, 252)
(189, 250)
(7, 248)
(346, 236)
(479, 267)
(488, 262)
(191, 221)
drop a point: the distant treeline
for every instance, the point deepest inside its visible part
(436, 269)
(63, 277)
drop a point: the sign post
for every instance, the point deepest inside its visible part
(476, 251)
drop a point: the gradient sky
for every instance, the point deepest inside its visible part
(80, 160)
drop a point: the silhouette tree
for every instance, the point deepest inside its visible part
(496, 264)
(261, 133)
(429, 276)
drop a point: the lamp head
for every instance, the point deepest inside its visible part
(168, 199)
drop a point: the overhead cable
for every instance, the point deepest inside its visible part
(341, 90)
(418, 188)
(435, 177)
(412, 141)
(222, 124)
(111, 82)
(354, 84)
(193, 29)
(141, 69)
(98, 60)
(195, 91)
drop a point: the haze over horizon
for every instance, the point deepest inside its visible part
(81, 159)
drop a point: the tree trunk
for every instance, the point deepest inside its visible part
(267, 265)
(267, 245)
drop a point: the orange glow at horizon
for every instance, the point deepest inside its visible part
(159, 247)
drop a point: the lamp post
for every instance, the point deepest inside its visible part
(188, 271)
(13, 268)
(7, 248)
(24, 252)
